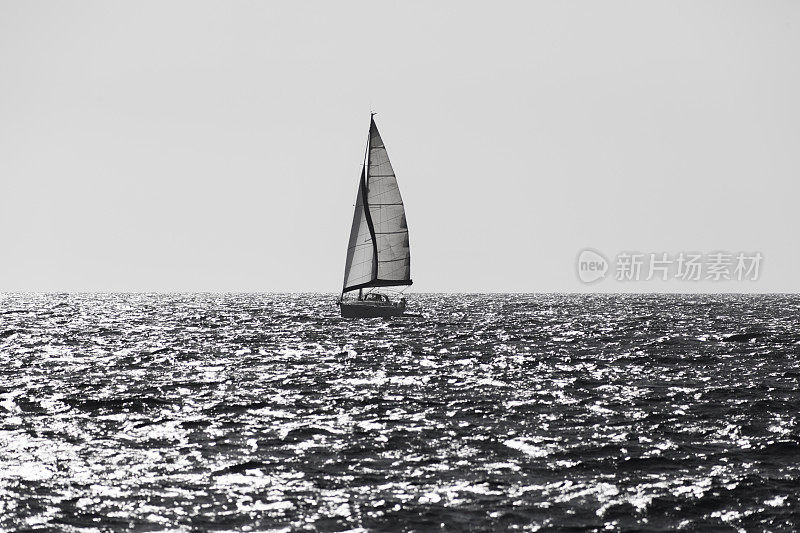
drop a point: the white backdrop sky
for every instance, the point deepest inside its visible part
(216, 146)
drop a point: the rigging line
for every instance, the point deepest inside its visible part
(366, 151)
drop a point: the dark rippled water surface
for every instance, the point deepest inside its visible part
(494, 412)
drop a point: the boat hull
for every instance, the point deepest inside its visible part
(370, 310)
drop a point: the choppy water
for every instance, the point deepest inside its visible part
(495, 412)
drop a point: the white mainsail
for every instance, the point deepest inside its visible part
(378, 254)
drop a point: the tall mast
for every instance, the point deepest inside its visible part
(367, 214)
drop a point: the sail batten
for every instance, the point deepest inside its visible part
(378, 253)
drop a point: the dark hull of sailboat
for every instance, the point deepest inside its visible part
(371, 310)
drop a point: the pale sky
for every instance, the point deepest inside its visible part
(216, 146)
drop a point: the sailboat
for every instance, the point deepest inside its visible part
(378, 255)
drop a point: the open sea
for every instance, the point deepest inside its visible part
(254, 412)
